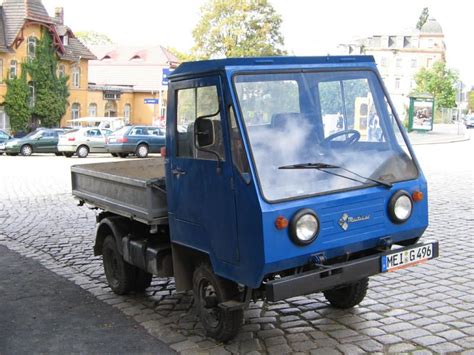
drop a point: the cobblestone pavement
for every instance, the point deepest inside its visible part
(424, 309)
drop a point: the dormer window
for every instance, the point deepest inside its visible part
(65, 40)
(136, 58)
(106, 57)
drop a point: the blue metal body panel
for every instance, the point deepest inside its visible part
(228, 218)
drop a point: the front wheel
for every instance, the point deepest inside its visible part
(210, 290)
(68, 155)
(82, 151)
(26, 150)
(114, 155)
(142, 151)
(348, 296)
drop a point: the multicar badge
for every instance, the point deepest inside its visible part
(346, 219)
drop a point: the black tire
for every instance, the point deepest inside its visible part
(82, 151)
(142, 280)
(142, 150)
(120, 275)
(115, 155)
(348, 296)
(68, 155)
(58, 154)
(123, 155)
(26, 150)
(210, 290)
(12, 154)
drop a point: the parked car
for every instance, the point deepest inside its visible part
(42, 140)
(4, 136)
(83, 141)
(138, 140)
(469, 121)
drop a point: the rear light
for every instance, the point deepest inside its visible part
(122, 140)
(163, 152)
(71, 139)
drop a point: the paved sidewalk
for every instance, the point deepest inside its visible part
(41, 312)
(441, 133)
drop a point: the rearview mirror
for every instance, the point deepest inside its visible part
(204, 132)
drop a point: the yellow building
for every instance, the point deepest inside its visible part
(22, 23)
(127, 81)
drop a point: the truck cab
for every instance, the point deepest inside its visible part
(285, 176)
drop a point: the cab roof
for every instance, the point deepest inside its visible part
(205, 66)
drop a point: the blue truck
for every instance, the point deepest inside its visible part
(281, 176)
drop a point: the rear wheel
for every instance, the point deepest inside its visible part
(26, 150)
(142, 151)
(123, 155)
(114, 155)
(348, 296)
(12, 154)
(58, 154)
(68, 155)
(82, 151)
(120, 275)
(210, 290)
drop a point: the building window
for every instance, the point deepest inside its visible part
(13, 69)
(397, 83)
(429, 61)
(76, 77)
(65, 40)
(383, 61)
(92, 110)
(31, 94)
(75, 110)
(413, 63)
(31, 47)
(399, 62)
(61, 71)
(1, 71)
(127, 109)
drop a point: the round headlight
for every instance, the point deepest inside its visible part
(304, 227)
(400, 207)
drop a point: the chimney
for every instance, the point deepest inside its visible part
(59, 15)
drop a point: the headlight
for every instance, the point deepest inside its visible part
(304, 227)
(400, 207)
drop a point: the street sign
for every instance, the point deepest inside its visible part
(166, 73)
(152, 101)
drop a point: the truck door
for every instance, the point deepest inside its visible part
(202, 206)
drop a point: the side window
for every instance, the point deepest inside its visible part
(192, 104)
(349, 105)
(238, 153)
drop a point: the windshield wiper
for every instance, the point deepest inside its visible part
(323, 166)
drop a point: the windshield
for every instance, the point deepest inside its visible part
(337, 118)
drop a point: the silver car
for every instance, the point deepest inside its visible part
(83, 141)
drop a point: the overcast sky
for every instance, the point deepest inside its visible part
(310, 27)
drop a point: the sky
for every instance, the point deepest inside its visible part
(310, 27)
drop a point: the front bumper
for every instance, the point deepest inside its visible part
(335, 275)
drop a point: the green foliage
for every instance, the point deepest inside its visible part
(440, 82)
(425, 14)
(17, 102)
(51, 90)
(470, 100)
(92, 38)
(182, 56)
(238, 28)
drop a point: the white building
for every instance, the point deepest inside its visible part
(399, 56)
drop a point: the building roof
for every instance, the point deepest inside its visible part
(14, 14)
(133, 66)
(431, 26)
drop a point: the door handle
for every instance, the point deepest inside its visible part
(178, 172)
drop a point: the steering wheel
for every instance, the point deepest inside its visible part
(353, 135)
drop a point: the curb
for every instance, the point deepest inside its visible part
(441, 141)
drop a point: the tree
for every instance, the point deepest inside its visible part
(92, 38)
(425, 14)
(51, 91)
(17, 102)
(237, 28)
(470, 99)
(182, 56)
(438, 81)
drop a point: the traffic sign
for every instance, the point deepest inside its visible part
(152, 101)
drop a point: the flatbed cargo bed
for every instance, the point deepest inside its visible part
(134, 188)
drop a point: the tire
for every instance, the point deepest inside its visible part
(26, 150)
(12, 154)
(115, 155)
(58, 154)
(348, 296)
(82, 151)
(68, 155)
(210, 290)
(142, 150)
(123, 155)
(120, 275)
(142, 280)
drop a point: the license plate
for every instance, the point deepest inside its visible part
(408, 257)
(112, 140)
(2, 145)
